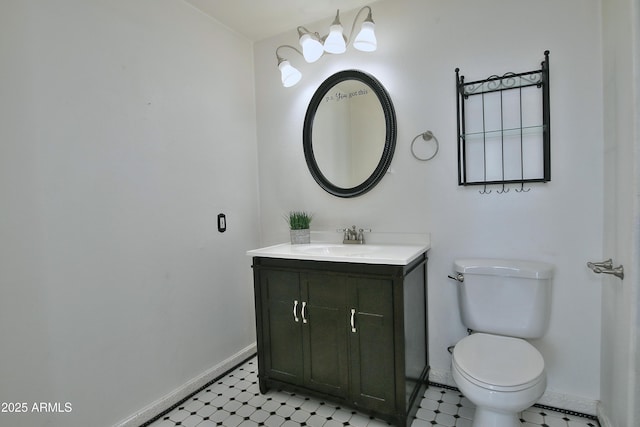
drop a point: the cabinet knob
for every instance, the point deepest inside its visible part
(295, 311)
(353, 320)
(304, 312)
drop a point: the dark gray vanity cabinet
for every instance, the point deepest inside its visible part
(349, 332)
(301, 352)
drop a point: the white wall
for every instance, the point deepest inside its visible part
(620, 387)
(125, 128)
(420, 45)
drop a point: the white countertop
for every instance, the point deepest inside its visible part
(394, 254)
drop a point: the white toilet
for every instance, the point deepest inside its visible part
(503, 302)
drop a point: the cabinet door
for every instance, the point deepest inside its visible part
(325, 333)
(371, 344)
(282, 325)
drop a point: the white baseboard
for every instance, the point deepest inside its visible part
(441, 377)
(603, 418)
(569, 402)
(190, 387)
(549, 398)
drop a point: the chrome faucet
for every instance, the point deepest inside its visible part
(351, 236)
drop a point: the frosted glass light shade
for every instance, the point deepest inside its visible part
(366, 39)
(335, 41)
(289, 75)
(312, 49)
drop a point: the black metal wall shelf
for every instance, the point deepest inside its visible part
(504, 134)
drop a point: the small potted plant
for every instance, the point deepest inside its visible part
(299, 223)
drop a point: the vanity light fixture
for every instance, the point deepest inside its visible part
(314, 46)
(288, 73)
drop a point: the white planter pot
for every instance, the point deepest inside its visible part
(300, 236)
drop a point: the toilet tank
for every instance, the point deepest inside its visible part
(505, 297)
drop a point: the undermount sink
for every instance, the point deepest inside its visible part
(370, 254)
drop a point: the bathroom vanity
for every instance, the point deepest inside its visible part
(345, 323)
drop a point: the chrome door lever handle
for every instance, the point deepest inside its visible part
(608, 264)
(606, 267)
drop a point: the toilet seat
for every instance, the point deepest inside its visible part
(498, 363)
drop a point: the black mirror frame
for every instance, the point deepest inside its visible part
(390, 136)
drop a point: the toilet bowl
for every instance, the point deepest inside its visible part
(501, 375)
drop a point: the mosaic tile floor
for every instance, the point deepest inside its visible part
(235, 401)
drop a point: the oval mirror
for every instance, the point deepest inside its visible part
(349, 133)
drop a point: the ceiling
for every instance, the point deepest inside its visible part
(261, 19)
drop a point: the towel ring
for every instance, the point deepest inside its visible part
(426, 136)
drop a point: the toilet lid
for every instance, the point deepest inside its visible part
(498, 362)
